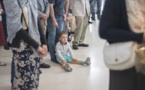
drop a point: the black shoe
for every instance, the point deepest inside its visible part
(54, 60)
(44, 65)
(89, 22)
(6, 46)
(75, 46)
(40, 72)
(83, 45)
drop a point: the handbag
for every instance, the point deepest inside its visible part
(120, 56)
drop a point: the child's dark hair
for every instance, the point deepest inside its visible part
(62, 33)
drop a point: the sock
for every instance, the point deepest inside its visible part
(83, 62)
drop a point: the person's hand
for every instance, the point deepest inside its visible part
(55, 24)
(40, 50)
(64, 17)
(68, 19)
(45, 49)
(44, 16)
(42, 21)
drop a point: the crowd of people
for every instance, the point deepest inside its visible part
(32, 28)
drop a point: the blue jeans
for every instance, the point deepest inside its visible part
(93, 10)
(53, 35)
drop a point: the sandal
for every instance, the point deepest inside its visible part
(88, 61)
(67, 67)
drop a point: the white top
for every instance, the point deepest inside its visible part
(63, 50)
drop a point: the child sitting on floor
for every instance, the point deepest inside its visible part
(64, 53)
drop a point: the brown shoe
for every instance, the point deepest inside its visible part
(2, 64)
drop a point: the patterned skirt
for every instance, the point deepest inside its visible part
(26, 71)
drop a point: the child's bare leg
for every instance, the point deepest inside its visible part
(75, 61)
(87, 62)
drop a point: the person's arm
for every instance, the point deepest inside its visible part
(42, 15)
(52, 12)
(66, 10)
(52, 15)
(23, 35)
(66, 7)
(42, 37)
(109, 25)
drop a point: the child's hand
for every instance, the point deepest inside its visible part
(64, 61)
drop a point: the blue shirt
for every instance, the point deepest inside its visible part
(59, 6)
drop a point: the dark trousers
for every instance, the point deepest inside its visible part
(93, 10)
(126, 80)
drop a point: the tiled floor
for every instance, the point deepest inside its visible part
(94, 77)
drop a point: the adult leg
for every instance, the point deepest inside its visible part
(43, 33)
(99, 4)
(61, 28)
(93, 10)
(27, 64)
(6, 46)
(123, 80)
(83, 34)
(43, 64)
(78, 31)
(12, 71)
(140, 81)
(51, 40)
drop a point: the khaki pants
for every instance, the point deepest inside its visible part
(81, 27)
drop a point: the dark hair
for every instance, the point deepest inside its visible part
(62, 33)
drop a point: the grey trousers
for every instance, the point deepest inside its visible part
(81, 27)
